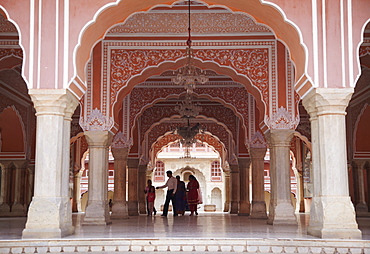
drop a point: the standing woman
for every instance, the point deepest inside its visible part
(193, 198)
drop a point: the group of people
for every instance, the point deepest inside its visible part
(182, 198)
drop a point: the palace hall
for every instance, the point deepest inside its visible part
(265, 104)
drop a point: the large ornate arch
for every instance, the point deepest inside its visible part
(153, 116)
(151, 71)
(262, 12)
(168, 138)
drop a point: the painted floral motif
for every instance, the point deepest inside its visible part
(252, 63)
(201, 23)
(6, 52)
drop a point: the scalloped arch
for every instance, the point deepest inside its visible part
(151, 71)
(264, 13)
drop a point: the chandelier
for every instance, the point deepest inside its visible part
(189, 74)
(187, 109)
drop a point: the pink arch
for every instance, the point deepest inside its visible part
(151, 71)
(263, 13)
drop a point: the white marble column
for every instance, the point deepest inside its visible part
(141, 187)
(258, 183)
(133, 172)
(97, 209)
(18, 207)
(227, 191)
(235, 189)
(4, 206)
(49, 215)
(76, 206)
(361, 206)
(332, 213)
(30, 183)
(244, 203)
(281, 209)
(120, 209)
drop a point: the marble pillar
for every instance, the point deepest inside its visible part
(258, 183)
(281, 209)
(235, 189)
(361, 206)
(244, 203)
(141, 187)
(332, 212)
(97, 209)
(49, 214)
(120, 209)
(227, 191)
(4, 206)
(133, 170)
(18, 207)
(76, 206)
(30, 183)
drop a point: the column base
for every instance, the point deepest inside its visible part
(258, 210)
(282, 214)
(119, 211)
(244, 208)
(234, 207)
(333, 217)
(226, 207)
(4, 209)
(18, 210)
(142, 207)
(49, 218)
(133, 209)
(362, 210)
(97, 213)
(335, 233)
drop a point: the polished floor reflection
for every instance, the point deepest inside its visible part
(203, 226)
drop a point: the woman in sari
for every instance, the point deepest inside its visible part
(180, 197)
(193, 198)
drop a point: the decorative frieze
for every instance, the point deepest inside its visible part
(202, 23)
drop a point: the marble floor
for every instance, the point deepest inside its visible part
(203, 226)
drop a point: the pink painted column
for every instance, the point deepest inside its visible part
(133, 174)
(244, 203)
(235, 189)
(119, 209)
(258, 183)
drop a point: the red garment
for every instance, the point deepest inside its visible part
(193, 187)
(151, 196)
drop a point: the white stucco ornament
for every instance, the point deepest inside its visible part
(282, 119)
(96, 121)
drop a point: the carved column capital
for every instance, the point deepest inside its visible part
(120, 153)
(279, 137)
(257, 153)
(327, 101)
(49, 101)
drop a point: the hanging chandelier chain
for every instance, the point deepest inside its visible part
(188, 75)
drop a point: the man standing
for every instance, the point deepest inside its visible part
(171, 185)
